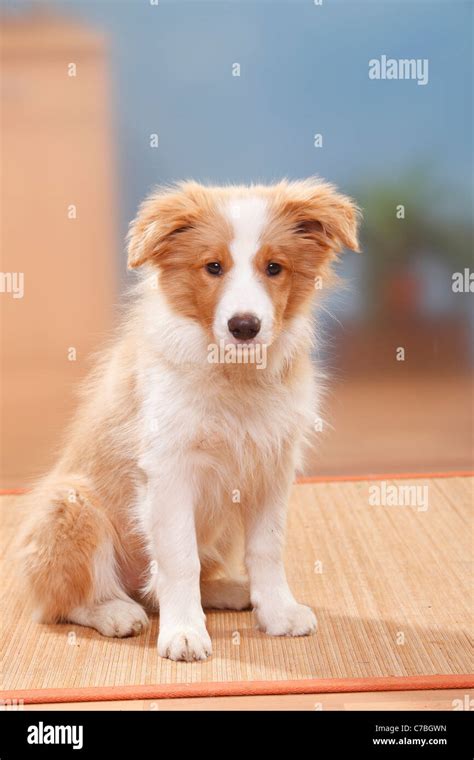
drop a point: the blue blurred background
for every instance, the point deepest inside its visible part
(303, 72)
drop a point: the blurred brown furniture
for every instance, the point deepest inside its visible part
(432, 347)
(56, 153)
(395, 424)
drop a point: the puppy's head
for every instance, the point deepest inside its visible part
(242, 262)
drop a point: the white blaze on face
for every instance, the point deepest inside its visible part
(244, 291)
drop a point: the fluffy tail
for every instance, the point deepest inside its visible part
(64, 534)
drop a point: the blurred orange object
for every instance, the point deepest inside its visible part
(58, 229)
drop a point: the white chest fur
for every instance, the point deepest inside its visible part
(188, 413)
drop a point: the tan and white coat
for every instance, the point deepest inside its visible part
(172, 487)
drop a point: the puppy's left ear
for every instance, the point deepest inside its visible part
(324, 216)
(161, 218)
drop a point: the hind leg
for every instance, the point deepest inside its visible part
(115, 617)
(113, 613)
(70, 565)
(224, 594)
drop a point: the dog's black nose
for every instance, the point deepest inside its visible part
(244, 326)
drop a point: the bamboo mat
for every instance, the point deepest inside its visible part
(391, 586)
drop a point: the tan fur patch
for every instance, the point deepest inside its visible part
(58, 560)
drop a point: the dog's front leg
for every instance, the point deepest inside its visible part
(183, 634)
(277, 611)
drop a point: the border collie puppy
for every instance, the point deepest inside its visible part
(172, 486)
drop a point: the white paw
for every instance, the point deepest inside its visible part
(118, 618)
(294, 620)
(184, 643)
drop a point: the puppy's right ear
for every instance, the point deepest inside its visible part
(143, 238)
(161, 218)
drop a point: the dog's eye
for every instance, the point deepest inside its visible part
(214, 267)
(273, 268)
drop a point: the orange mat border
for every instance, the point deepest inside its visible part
(239, 689)
(254, 688)
(335, 478)
(383, 476)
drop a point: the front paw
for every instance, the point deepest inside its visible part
(293, 620)
(184, 643)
